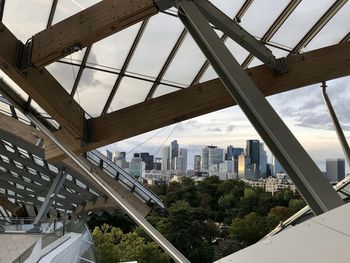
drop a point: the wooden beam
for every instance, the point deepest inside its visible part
(99, 204)
(304, 69)
(88, 26)
(12, 207)
(45, 90)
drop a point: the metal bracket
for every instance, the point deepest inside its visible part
(281, 66)
(88, 135)
(24, 55)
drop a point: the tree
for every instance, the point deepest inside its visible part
(114, 246)
(296, 204)
(276, 215)
(249, 229)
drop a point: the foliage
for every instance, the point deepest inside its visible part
(205, 221)
(112, 245)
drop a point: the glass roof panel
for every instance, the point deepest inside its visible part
(75, 57)
(66, 8)
(130, 91)
(229, 7)
(93, 90)
(112, 51)
(300, 22)
(25, 19)
(163, 90)
(334, 31)
(156, 44)
(261, 15)
(65, 74)
(5, 108)
(187, 62)
(13, 85)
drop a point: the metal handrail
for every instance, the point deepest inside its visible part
(119, 172)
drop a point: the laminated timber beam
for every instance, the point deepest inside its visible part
(45, 90)
(87, 27)
(304, 69)
(12, 207)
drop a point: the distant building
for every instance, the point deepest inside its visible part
(183, 155)
(253, 151)
(243, 162)
(165, 158)
(174, 152)
(276, 167)
(216, 155)
(137, 167)
(205, 159)
(279, 183)
(335, 169)
(178, 162)
(148, 159)
(157, 164)
(262, 161)
(197, 163)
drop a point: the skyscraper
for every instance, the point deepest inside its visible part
(148, 159)
(262, 161)
(174, 152)
(253, 151)
(335, 169)
(183, 155)
(205, 159)
(276, 167)
(216, 155)
(165, 158)
(197, 163)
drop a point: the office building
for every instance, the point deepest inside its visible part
(197, 163)
(335, 169)
(262, 161)
(174, 152)
(183, 155)
(165, 158)
(216, 155)
(148, 159)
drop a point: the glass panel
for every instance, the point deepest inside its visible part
(229, 7)
(93, 90)
(156, 44)
(22, 20)
(13, 85)
(66, 8)
(5, 108)
(131, 91)
(333, 31)
(64, 74)
(300, 22)
(186, 64)
(163, 90)
(261, 15)
(112, 51)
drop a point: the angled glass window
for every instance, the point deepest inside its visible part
(112, 51)
(229, 7)
(187, 62)
(261, 15)
(65, 74)
(131, 91)
(163, 90)
(334, 31)
(300, 22)
(67, 8)
(13, 85)
(93, 90)
(157, 41)
(26, 18)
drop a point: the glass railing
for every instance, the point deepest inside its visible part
(26, 225)
(51, 241)
(124, 178)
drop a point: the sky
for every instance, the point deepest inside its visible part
(303, 110)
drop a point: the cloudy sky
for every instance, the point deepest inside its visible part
(303, 110)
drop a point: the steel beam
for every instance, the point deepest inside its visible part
(307, 177)
(274, 27)
(336, 124)
(50, 196)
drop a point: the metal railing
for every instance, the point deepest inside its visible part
(86, 253)
(124, 178)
